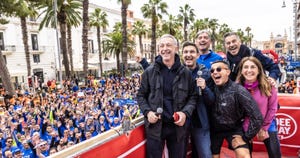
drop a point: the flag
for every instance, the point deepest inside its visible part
(51, 117)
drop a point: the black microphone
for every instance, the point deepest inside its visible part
(199, 74)
(159, 111)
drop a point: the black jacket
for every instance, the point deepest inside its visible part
(233, 104)
(244, 51)
(150, 96)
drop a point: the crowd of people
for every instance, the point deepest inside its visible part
(290, 86)
(44, 121)
(176, 107)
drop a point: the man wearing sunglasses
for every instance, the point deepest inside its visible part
(232, 104)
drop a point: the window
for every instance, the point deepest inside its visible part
(36, 58)
(1, 41)
(34, 42)
(90, 46)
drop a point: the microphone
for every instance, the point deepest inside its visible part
(199, 74)
(159, 111)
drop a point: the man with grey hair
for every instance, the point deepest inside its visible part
(203, 42)
(167, 89)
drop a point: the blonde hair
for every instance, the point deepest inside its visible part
(263, 84)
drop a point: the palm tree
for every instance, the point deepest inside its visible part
(241, 33)
(70, 23)
(65, 15)
(171, 26)
(154, 10)
(198, 25)
(114, 44)
(23, 10)
(248, 29)
(69, 47)
(213, 25)
(223, 29)
(124, 7)
(139, 29)
(5, 76)
(6, 8)
(98, 19)
(85, 29)
(187, 16)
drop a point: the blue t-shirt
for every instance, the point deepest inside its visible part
(207, 59)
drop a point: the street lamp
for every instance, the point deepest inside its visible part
(295, 3)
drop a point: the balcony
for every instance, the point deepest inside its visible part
(40, 50)
(8, 49)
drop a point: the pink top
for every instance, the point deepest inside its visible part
(268, 107)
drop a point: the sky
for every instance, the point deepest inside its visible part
(262, 16)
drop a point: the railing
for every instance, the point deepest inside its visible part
(88, 147)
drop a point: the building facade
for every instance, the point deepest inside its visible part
(44, 52)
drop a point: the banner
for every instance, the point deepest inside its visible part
(288, 123)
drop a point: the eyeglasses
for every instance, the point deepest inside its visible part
(9, 141)
(218, 69)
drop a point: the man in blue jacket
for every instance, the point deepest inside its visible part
(200, 134)
(236, 51)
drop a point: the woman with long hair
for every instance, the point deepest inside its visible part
(252, 76)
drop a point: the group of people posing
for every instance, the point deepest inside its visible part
(207, 99)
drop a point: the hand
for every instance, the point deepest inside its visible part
(138, 57)
(152, 118)
(201, 82)
(237, 141)
(262, 135)
(272, 81)
(182, 118)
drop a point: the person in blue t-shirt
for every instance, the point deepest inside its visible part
(203, 42)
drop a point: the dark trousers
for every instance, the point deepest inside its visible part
(273, 146)
(176, 149)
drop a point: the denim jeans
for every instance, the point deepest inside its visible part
(201, 143)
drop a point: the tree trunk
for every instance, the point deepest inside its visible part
(85, 4)
(64, 49)
(4, 74)
(153, 35)
(99, 49)
(25, 43)
(70, 50)
(141, 45)
(185, 29)
(124, 35)
(118, 60)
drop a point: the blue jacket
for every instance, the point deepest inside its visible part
(207, 59)
(200, 115)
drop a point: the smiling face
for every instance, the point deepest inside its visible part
(232, 44)
(167, 49)
(190, 56)
(203, 42)
(250, 71)
(219, 73)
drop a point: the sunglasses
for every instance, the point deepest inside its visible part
(218, 69)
